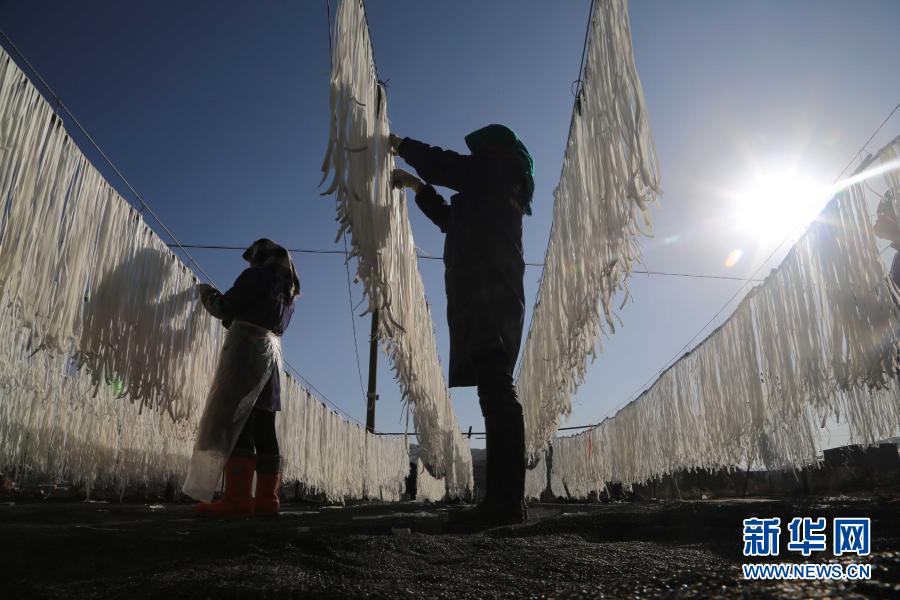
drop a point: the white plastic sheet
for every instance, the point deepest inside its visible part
(249, 357)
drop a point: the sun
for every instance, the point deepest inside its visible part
(777, 205)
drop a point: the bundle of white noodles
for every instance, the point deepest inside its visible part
(536, 480)
(82, 275)
(359, 162)
(83, 272)
(609, 176)
(556, 483)
(142, 324)
(428, 488)
(56, 424)
(49, 193)
(334, 457)
(817, 341)
(62, 221)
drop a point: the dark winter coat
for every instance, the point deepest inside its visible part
(895, 269)
(257, 296)
(484, 268)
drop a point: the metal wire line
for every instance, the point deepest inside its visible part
(527, 264)
(466, 433)
(353, 322)
(577, 84)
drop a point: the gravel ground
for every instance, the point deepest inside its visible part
(653, 549)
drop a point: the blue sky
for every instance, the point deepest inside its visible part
(217, 112)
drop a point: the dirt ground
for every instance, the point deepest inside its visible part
(57, 549)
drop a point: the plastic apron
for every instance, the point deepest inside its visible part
(248, 358)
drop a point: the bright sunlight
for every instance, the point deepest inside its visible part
(776, 205)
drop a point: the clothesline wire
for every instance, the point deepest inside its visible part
(326, 399)
(863, 147)
(466, 433)
(362, 388)
(584, 46)
(431, 257)
(369, 36)
(678, 355)
(60, 106)
(330, 41)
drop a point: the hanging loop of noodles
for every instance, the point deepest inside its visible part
(428, 488)
(536, 480)
(359, 162)
(609, 177)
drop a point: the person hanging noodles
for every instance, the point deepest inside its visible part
(484, 271)
(886, 228)
(237, 429)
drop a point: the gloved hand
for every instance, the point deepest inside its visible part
(405, 179)
(203, 289)
(394, 141)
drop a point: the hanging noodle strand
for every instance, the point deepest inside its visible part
(359, 163)
(609, 178)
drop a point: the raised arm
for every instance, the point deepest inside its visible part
(429, 201)
(225, 306)
(445, 167)
(432, 204)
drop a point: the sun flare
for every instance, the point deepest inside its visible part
(774, 206)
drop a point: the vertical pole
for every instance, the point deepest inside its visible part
(372, 396)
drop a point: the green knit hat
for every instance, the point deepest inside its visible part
(481, 140)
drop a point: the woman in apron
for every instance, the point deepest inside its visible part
(237, 429)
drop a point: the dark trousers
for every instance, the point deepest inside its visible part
(496, 389)
(505, 431)
(258, 437)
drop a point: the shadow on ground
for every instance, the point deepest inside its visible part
(667, 549)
